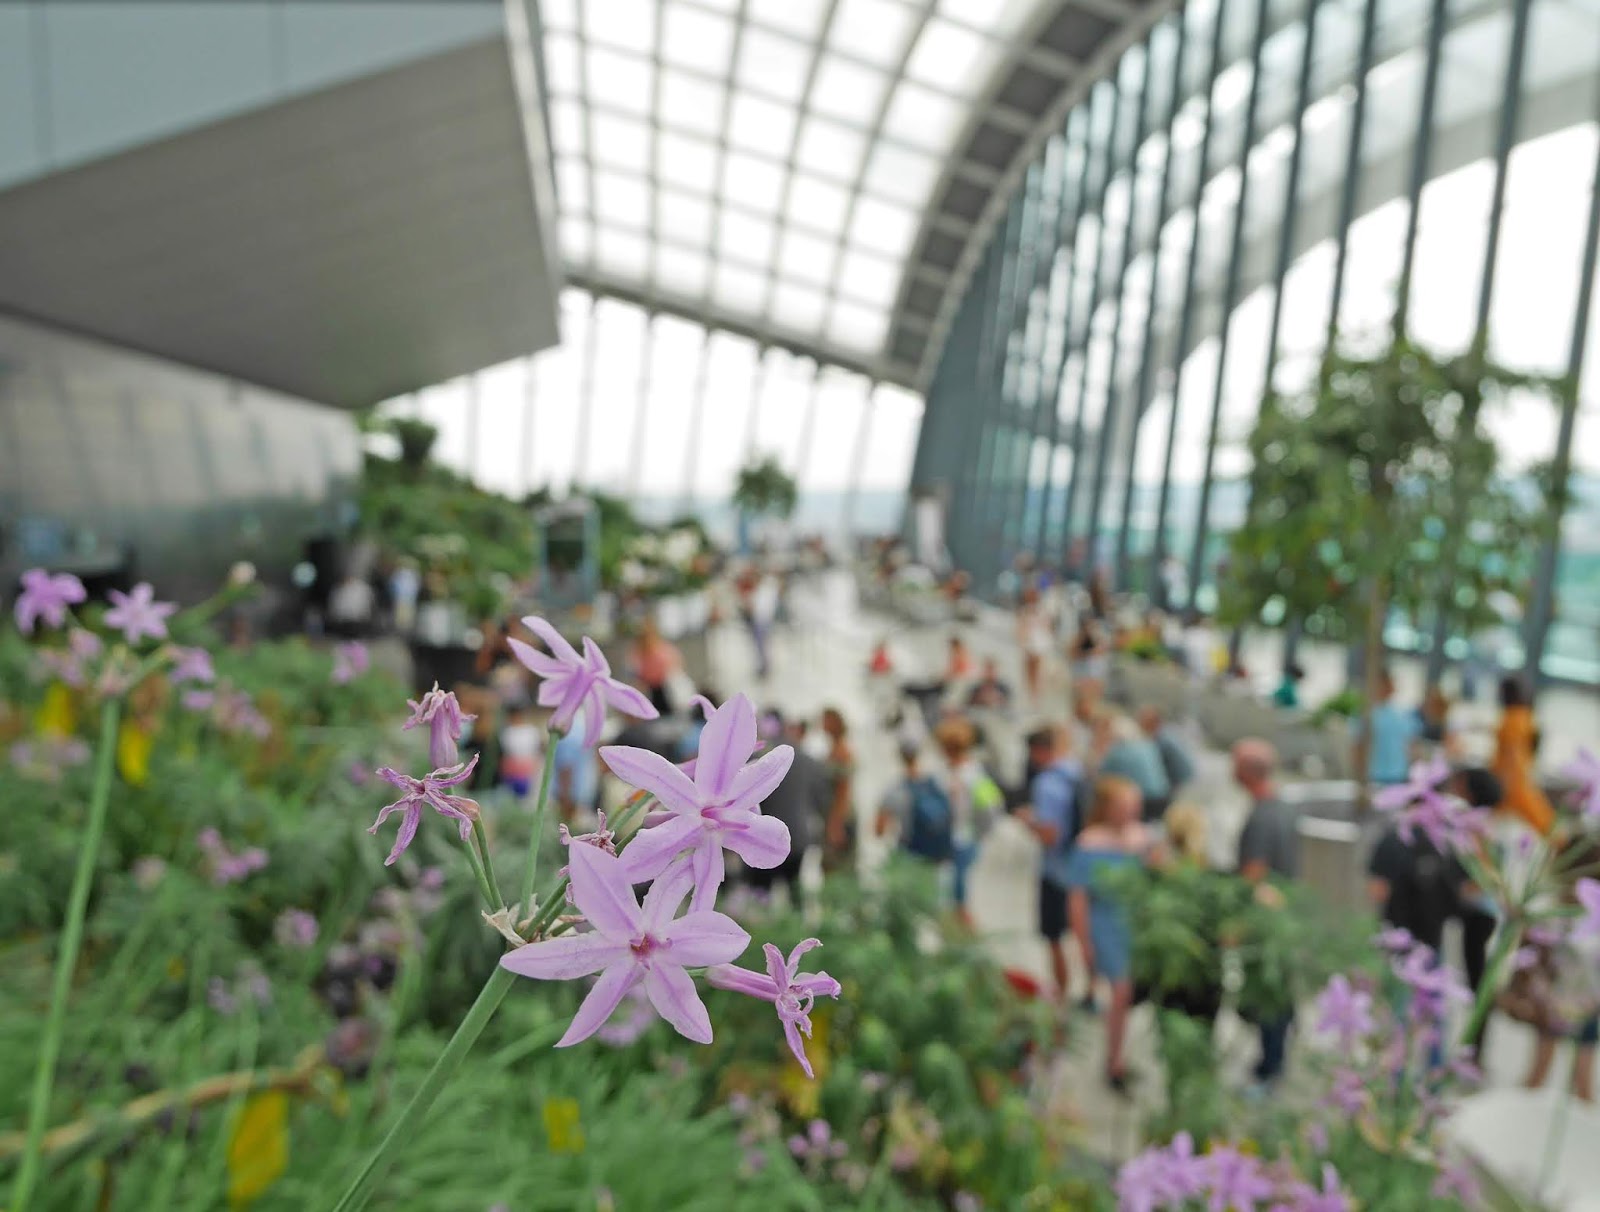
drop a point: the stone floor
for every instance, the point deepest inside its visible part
(821, 661)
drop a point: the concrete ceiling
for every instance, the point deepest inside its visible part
(347, 246)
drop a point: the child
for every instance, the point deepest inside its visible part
(519, 751)
(1112, 838)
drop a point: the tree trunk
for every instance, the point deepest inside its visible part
(1377, 607)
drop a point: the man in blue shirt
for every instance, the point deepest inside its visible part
(1387, 755)
(1054, 817)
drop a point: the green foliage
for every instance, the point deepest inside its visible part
(1381, 471)
(764, 488)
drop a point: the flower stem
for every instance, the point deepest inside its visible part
(530, 872)
(67, 958)
(488, 867)
(1503, 950)
(405, 1128)
(484, 890)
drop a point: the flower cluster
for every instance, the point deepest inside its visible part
(1420, 806)
(350, 661)
(224, 865)
(137, 614)
(1223, 1177)
(72, 664)
(1584, 772)
(46, 597)
(574, 685)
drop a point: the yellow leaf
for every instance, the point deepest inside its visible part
(258, 1151)
(57, 714)
(133, 754)
(563, 1128)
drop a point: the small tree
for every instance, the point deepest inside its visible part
(764, 488)
(1377, 488)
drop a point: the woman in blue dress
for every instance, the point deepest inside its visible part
(1112, 838)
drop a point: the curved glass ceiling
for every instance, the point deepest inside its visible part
(764, 163)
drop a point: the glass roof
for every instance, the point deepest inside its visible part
(767, 162)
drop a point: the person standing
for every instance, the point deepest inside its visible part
(1269, 846)
(655, 663)
(1386, 756)
(1053, 817)
(1124, 749)
(804, 796)
(1113, 838)
(1033, 637)
(1176, 759)
(975, 798)
(1514, 750)
(838, 850)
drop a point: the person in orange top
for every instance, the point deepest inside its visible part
(1515, 743)
(655, 662)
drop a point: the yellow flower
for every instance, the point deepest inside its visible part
(57, 714)
(258, 1151)
(133, 754)
(563, 1129)
(176, 968)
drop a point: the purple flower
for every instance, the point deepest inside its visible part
(719, 807)
(1584, 770)
(295, 928)
(784, 986)
(1420, 807)
(1433, 985)
(1459, 1183)
(427, 792)
(818, 1144)
(1395, 939)
(572, 683)
(1344, 1012)
(1316, 1134)
(350, 661)
(1588, 892)
(199, 700)
(1348, 1094)
(46, 597)
(138, 613)
(1546, 934)
(1303, 1197)
(439, 710)
(191, 665)
(219, 997)
(602, 837)
(226, 866)
(629, 945)
(1159, 1178)
(1236, 1180)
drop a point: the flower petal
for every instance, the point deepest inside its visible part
(553, 640)
(603, 892)
(777, 969)
(650, 850)
(577, 689)
(628, 699)
(543, 664)
(760, 778)
(741, 980)
(594, 658)
(594, 717)
(406, 833)
(653, 773)
(710, 869)
(608, 991)
(666, 894)
(566, 957)
(761, 841)
(797, 1046)
(726, 743)
(699, 939)
(672, 993)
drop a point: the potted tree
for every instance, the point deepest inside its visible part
(763, 490)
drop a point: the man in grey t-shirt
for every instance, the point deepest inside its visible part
(1270, 841)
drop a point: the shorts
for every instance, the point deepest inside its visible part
(1052, 910)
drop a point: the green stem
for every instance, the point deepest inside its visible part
(406, 1127)
(484, 890)
(530, 872)
(1507, 944)
(488, 867)
(67, 958)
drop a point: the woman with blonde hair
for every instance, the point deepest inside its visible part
(1113, 838)
(974, 800)
(1186, 833)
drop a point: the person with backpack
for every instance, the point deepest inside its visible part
(1055, 817)
(975, 801)
(918, 806)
